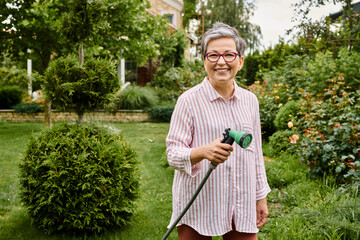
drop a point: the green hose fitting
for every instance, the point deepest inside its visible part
(242, 138)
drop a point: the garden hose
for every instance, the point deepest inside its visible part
(243, 139)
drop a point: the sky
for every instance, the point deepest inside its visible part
(274, 18)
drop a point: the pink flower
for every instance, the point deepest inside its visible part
(295, 137)
(337, 125)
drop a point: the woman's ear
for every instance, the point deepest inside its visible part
(241, 63)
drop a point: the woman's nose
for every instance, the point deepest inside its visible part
(221, 60)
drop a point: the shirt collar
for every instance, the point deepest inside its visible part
(213, 94)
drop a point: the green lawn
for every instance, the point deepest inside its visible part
(300, 207)
(154, 204)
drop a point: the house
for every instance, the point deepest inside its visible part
(169, 8)
(355, 8)
(351, 40)
(134, 74)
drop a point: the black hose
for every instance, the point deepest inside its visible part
(211, 168)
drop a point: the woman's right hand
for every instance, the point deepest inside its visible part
(216, 152)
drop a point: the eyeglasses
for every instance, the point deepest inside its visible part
(228, 56)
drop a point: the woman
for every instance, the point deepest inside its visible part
(232, 202)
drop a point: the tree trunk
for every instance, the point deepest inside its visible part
(47, 112)
(150, 70)
(81, 53)
(81, 117)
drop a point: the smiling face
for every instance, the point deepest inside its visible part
(222, 73)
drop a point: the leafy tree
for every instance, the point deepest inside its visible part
(172, 47)
(189, 12)
(31, 25)
(256, 64)
(82, 23)
(119, 28)
(235, 13)
(318, 35)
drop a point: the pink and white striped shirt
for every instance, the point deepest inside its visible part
(200, 116)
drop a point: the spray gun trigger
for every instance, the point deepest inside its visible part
(226, 135)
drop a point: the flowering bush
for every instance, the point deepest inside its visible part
(331, 136)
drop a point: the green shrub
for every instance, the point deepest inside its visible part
(79, 179)
(280, 141)
(285, 115)
(71, 86)
(31, 107)
(10, 96)
(284, 170)
(161, 113)
(135, 97)
(268, 110)
(175, 80)
(11, 75)
(269, 106)
(312, 73)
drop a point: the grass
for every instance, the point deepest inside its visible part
(154, 205)
(300, 207)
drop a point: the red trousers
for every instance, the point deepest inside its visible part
(187, 233)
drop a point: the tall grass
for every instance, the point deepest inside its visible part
(300, 207)
(304, 208)
(135, 97)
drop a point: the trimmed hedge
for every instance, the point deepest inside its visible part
(161, 113)
(10, 96)
(28, 108)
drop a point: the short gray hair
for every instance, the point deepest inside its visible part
(222, 30)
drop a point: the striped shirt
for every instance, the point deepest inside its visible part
(200, 116)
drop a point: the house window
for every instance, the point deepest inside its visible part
(170, 17)
(131, 74)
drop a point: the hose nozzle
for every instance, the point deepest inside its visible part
(242, 138)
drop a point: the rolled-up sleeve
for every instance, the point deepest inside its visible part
(179, 139)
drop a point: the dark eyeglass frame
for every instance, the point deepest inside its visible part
(221, 55)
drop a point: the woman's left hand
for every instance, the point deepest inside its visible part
(261, 212)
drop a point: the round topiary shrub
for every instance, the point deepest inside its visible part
(80, 87)
(79, 179)
(285, 114)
